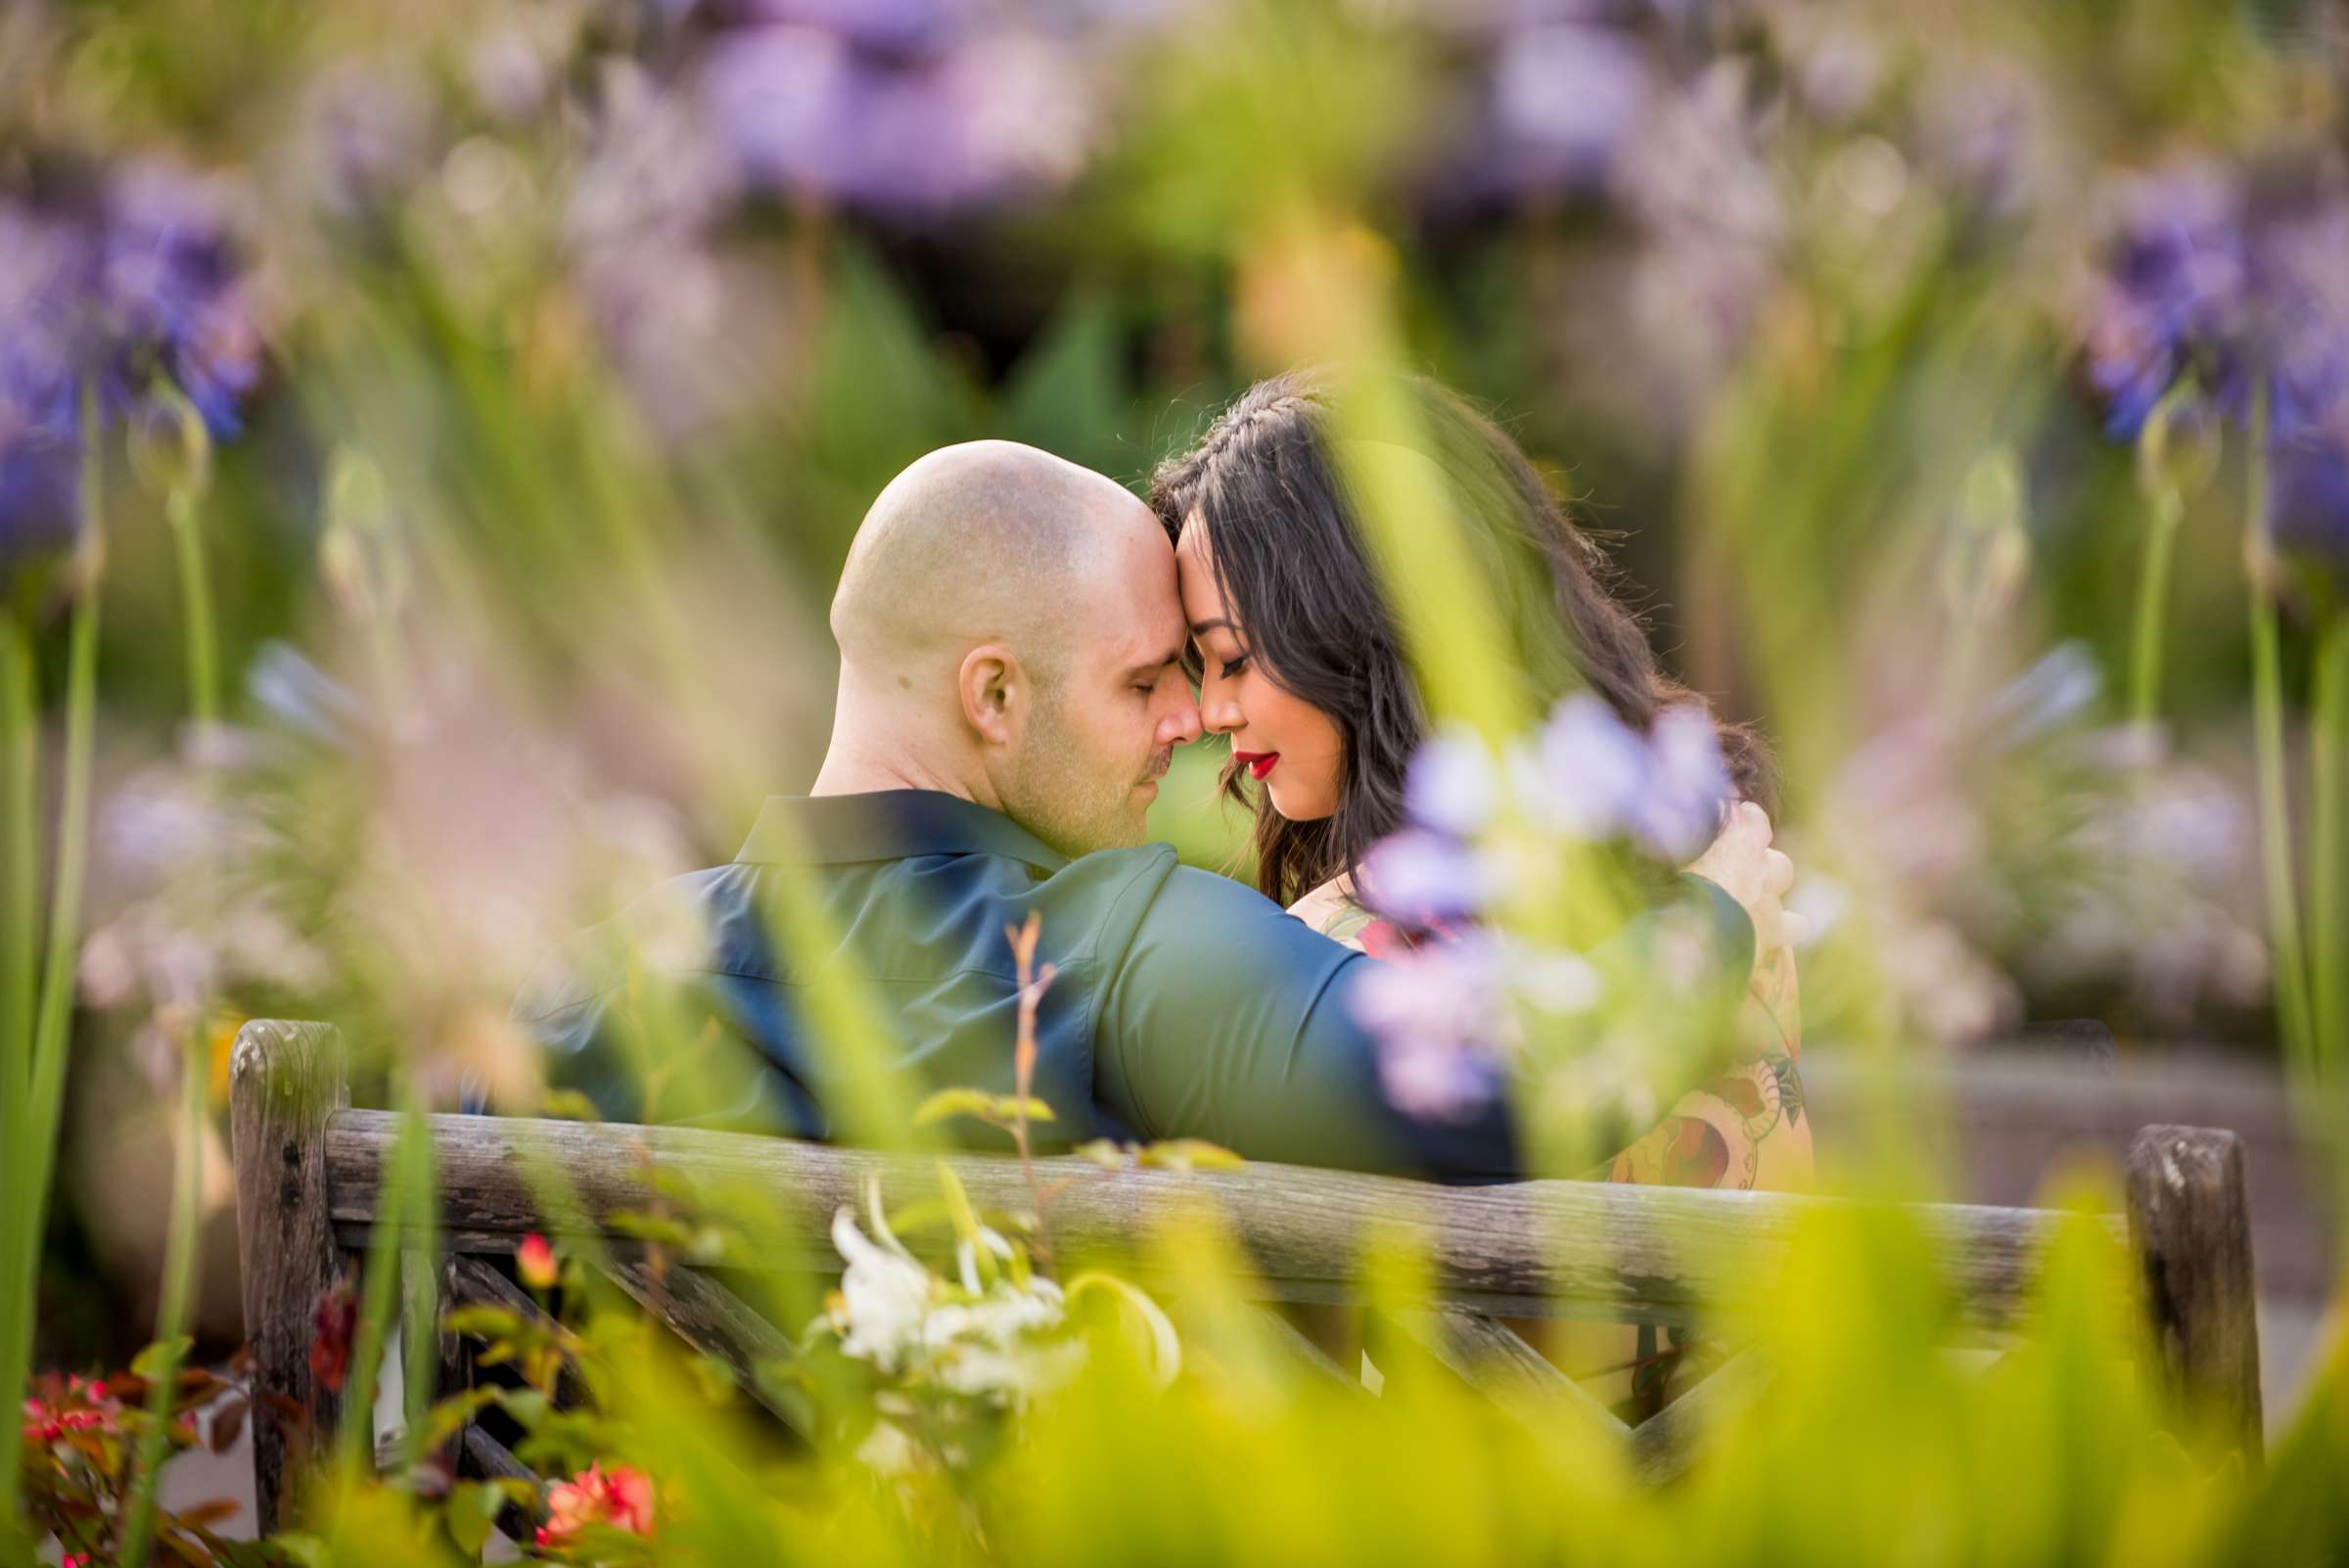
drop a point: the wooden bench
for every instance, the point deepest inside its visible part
(311, 1171)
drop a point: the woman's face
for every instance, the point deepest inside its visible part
(1292, 748)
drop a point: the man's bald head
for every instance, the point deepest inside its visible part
(1009, 631)
(988, 542)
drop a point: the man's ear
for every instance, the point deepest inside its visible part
(994, 689)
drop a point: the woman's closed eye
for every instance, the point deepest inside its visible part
(1232, 667)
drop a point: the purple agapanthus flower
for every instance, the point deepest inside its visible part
(1564, 98)
(807, 110)
(132, 284)
(2174, 298)
(1451, 787)
(1585, 772)
(1688, 786)
(1424, 879)
(1439, 1016)
(2307, 511)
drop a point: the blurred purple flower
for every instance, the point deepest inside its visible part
(174, 288)
(1564, 98)
(1678, 812)
(1585, 772)
(1424, 879)
(47, 312)
(2173, 297)
(1451, 786)
(901, 26)
(370, 132)
(999, 114)
(2308, 504)
(1439, 1017)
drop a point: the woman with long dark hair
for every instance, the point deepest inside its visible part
(1299, 662)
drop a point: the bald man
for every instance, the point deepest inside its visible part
(1009, 695)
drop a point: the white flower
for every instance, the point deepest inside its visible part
(885, 1297)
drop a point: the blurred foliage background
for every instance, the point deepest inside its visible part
(505, 382)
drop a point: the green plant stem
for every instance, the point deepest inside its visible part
(2275, 800)
(35, 1149)
(17, 1248)
(2276, 835)
(409, 1187)
(195, 600)
(2328, 779)
(180, 1254)
(2153, 598)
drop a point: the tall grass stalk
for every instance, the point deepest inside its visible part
(410, 1189)
(2292, 1006)
(2152, 600)
(43, 1057)
(18, 808)
(2328, 781)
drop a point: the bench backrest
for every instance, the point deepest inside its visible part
(311, 1171)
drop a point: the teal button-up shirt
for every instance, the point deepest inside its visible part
(1184, 1004)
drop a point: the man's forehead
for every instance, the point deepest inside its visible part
(1138, 614)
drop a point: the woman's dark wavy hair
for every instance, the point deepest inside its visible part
(1297, 579)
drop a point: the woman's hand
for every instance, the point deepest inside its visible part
(1742, 864)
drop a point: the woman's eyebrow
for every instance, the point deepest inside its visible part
(1202, 628)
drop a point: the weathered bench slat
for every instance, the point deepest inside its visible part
(2191, 1218)
(1492, 1359)
(310, 1177)
(286, 1080)
(1666, 1443)
(1644, 1252)
(715, 1321)
(1294, 1345)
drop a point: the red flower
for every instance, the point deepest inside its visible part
(536, 1262)
(620, 1498)
(334, 1324)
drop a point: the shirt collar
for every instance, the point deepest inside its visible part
(887, 825)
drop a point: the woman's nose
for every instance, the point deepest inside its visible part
(1220, 714)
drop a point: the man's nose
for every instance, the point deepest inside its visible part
(1180, 726)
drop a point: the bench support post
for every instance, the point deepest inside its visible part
(285, 1079)
(2191, 1221)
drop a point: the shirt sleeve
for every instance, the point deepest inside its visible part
(1230, 1020)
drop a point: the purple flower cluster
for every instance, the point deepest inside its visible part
(2217, 289)
(1443, 1002)
(912, 108)
(131, 286)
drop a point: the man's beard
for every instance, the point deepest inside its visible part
(1065, 797)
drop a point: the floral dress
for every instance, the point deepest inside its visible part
(1742, 1129)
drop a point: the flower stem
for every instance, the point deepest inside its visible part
(35, 1148)
(180, 1251)
(2328, 780)
(196, 598)
(2152, 597)
(2275, 802)
(19, 1244)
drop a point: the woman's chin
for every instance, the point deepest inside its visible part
(1293, 810)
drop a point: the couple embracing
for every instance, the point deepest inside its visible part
(1023, 645)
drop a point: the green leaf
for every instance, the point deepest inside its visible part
(472, 1509)
(158, 1358)
(569, 1105)
(526, 1406)
(953, 1102)
(485, 1321)
(1190, 1154)
(1109, 1156)
(1068, 389)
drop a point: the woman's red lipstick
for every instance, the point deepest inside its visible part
(1258, 763)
